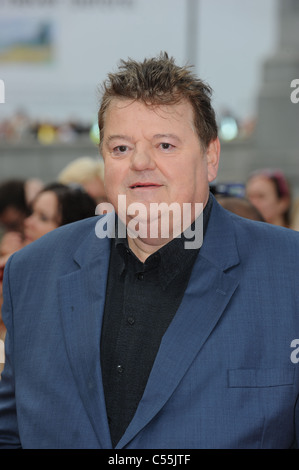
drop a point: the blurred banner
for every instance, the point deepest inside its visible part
(26, 40)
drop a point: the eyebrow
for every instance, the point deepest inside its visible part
(167, 136)
(118, 136)
(156, 136)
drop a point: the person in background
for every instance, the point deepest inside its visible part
(32, 187)
(14, 209)
(54, 205)
(13, 205)
(240, 206)
(231, 196)
(268, 190)
(16, 197)
(295, 215)
(89, 173)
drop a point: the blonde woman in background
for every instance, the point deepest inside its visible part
(89, 173)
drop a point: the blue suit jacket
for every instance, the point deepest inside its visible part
(224, 376)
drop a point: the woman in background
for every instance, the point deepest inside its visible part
(55, 205)
(269, 192)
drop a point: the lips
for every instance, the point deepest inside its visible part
(144, 185)
(28, 238)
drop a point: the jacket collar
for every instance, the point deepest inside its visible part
(220, 244)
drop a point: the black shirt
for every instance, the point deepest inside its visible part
(141, 300)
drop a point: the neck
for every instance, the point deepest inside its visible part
(143, 249)
(279, 220)
(192, 229)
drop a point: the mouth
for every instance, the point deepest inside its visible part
(28, 236)
(144, 185)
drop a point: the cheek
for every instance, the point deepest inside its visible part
(114, 174)
(270, 202)
(262, 205)
(195, 181)
(45, 228)
(114, 183)
(188, 188)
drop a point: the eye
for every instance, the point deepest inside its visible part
(44, 218)
(120, 149)
(166, 146)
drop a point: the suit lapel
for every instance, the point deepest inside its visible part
(82, 300)
(209, 290)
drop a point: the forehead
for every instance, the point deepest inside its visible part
(46, 200)
(120, 111)
(260, 182)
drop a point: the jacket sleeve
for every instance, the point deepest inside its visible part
(9, 435)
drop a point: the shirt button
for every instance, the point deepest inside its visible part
(131, 320)
(140, 276)
(120, 369)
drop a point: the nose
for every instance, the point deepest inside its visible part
(142, 159)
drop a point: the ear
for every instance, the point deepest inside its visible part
(212, 156)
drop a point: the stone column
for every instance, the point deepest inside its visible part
(277, 116)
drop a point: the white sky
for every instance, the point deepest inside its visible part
(234, 37)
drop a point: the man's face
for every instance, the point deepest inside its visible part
(153, 155)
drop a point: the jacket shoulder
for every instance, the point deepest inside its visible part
(266, 237)
(58, 243)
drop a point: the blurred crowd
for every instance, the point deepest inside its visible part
(265, 196)
(30, 208)
(20, 127)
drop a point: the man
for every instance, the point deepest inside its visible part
(143, 341)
